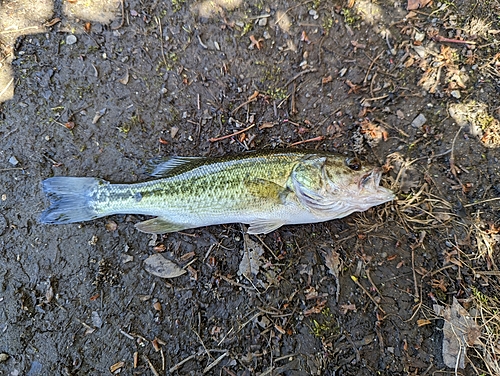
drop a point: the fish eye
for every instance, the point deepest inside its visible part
(353, 163)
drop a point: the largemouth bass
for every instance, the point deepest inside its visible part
(265, 190)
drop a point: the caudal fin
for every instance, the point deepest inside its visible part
(70, 199)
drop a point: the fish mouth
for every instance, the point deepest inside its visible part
(370, 180)
(370, 183)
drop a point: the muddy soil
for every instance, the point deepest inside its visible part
(163, 78)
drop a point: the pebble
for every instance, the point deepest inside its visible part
(419, 121)
(263, 21)
(314, 14)
(13, 161)
(70, 39)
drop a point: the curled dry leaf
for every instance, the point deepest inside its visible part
(251, 261)
(417, 4)
(161, 267)
(459, 331)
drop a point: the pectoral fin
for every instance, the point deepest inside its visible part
(160, 225)
(267, 190)
(264, 226)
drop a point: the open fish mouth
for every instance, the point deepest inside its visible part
(371, 180)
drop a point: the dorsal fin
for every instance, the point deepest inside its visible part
(164, 167)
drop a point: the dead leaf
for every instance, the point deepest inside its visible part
(173, 131)
(459, 331)
(332, 262)
(265, 125)
(417, 4)
(423, 322)
(250, 263)
(115, 367)
(124, 79)
(283, 21)
(99, 114)
(326, 79)
(344, 308)
(161, 267)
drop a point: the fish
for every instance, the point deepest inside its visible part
(265, 190)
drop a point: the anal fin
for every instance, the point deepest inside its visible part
(160, 225)
(264, 226)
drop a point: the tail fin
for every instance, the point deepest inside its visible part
(70, 199)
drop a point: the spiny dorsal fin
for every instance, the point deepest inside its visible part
(164, 167)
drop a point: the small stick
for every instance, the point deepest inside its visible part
(371, 66)
(7, 86)
(179, 365)
(155, 372)
(300, 74)
(123, 17)
(355, 279)
(215, 362)
(214, 139)
(244, 104)
(439, 38)
(319, 138)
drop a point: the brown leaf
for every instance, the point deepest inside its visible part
(459, 331)
(161, 267)
(332, 262)
(417, 4)
(423, 322)
(344, 308)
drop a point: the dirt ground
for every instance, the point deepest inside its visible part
(355, 296)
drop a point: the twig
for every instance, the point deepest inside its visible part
(123, 17)
(453, 167)
(439, 38)
(293, 102)
(214, 139)
(356, 281)
(215, 362)
(155, 372)
(479, 202)
(20, 31)
(7, 86)
(319, 138)
(244, 104)
(161, 40)
(371, 66)
(179, 365)
(300, 74)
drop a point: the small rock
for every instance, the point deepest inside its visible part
(314, 14)
(419, 121)
(455, 94)
(419, 37)
(96, 319)
(13, 161)
(263, 21)
(70, 39)
(3, 357)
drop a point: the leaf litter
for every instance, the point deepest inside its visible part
(162, 267)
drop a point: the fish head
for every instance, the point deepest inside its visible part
(352, 186)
